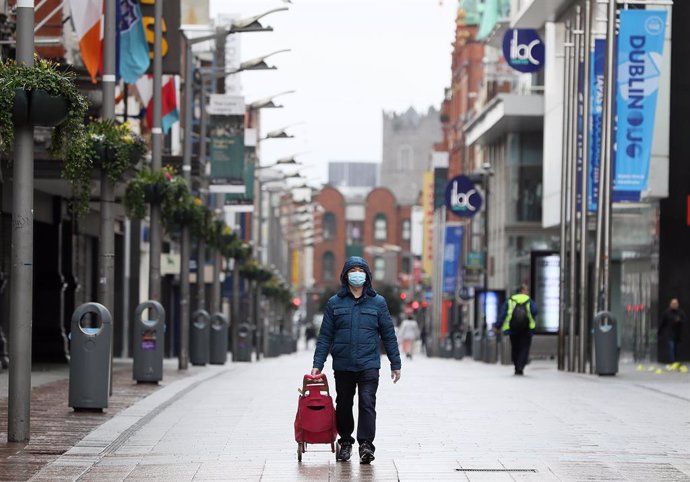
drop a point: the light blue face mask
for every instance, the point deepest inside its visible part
(356, 278)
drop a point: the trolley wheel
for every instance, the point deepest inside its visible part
(300, 449)
(337, 449)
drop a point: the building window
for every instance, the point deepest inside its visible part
(328, 263)
(354, 232)
(406, 265)
(379, 268)
(329, 226)
(380, 227)
(406, 230)
(405, 158)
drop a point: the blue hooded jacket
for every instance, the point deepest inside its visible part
(352, 329)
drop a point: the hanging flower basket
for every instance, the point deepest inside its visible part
(47, 110)
(20, 108)
(42, 94)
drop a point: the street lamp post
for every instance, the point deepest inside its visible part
(249, 25)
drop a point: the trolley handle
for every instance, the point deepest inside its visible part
(317, 382)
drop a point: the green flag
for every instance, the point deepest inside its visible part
(490, 16)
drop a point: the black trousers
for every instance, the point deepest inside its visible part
(520, 344)
(365, 383)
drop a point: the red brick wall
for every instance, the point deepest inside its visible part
(380, 201)
(332, 201)
(53, 28)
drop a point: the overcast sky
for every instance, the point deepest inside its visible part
(349, 61)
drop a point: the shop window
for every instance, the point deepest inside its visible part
(328, 263)
(329, 226)
(379, 268)
(406, 230)
(380, 227)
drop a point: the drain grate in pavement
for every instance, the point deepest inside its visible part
(46, 451)
(534, 471)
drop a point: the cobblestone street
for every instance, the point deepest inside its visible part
(445, 420)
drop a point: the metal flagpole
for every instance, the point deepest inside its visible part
(572, 269)
(106, 246)
(565, 170)
(21, 296)
(607, 156)
(156, 229)
(586, 53)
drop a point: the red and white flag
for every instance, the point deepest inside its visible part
(170, 112)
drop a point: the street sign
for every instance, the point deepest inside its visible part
(223, 104)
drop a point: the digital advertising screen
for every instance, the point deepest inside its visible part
(545, 267)
(488, 302)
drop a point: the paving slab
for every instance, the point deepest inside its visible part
(445, 420)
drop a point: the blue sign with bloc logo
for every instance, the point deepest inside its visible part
(462, 197)
(523, 49)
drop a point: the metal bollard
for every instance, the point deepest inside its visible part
(149, 343)
(477, 345)
(219, 339)
(605, 343)
(244, 343)
(199, 338)
(89, 366)
(506, 350)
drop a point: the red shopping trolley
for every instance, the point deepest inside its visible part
(315, 419)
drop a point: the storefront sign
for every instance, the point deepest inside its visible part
(462, 197)
(171, 33)
(523, 50)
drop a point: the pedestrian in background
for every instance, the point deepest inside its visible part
(309, 333)
(408, 334)
(517, 320)
(670, 329)
(355, 321)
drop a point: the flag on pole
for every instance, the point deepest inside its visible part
(86, 16)
(169, 110)
(133, 50)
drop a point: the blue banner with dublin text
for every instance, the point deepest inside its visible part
(451, 257)
(595, 122)
(640, 49)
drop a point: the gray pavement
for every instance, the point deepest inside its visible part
(445, 420)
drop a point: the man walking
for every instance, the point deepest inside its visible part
(670, 329)
(355, 321)
(517, 319)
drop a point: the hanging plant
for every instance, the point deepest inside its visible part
(164, 187)
(40, 95)
(107, 145)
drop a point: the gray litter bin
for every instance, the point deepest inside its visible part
(458, 346)
(244, 343)
(605, 343)
(149, 342)
(490, 348)
(219, 339)
(199, 338)
(477, 345)
(506, 353)
(90, 355)
(446, 347)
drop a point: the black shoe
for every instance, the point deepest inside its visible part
(519, 372)
(366, 453)
(345, 451)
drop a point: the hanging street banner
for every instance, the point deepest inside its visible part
(462, 197)
(596, 109)
(640, 49)
(523, 49)
(451, 258)
(227, 155)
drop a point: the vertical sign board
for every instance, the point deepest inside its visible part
(428, 206)
(451, 258)
(595, 120)
(171, 33)
(640, 50)
(227, 143)
(545, 267)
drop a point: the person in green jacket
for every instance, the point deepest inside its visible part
(517, 320)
